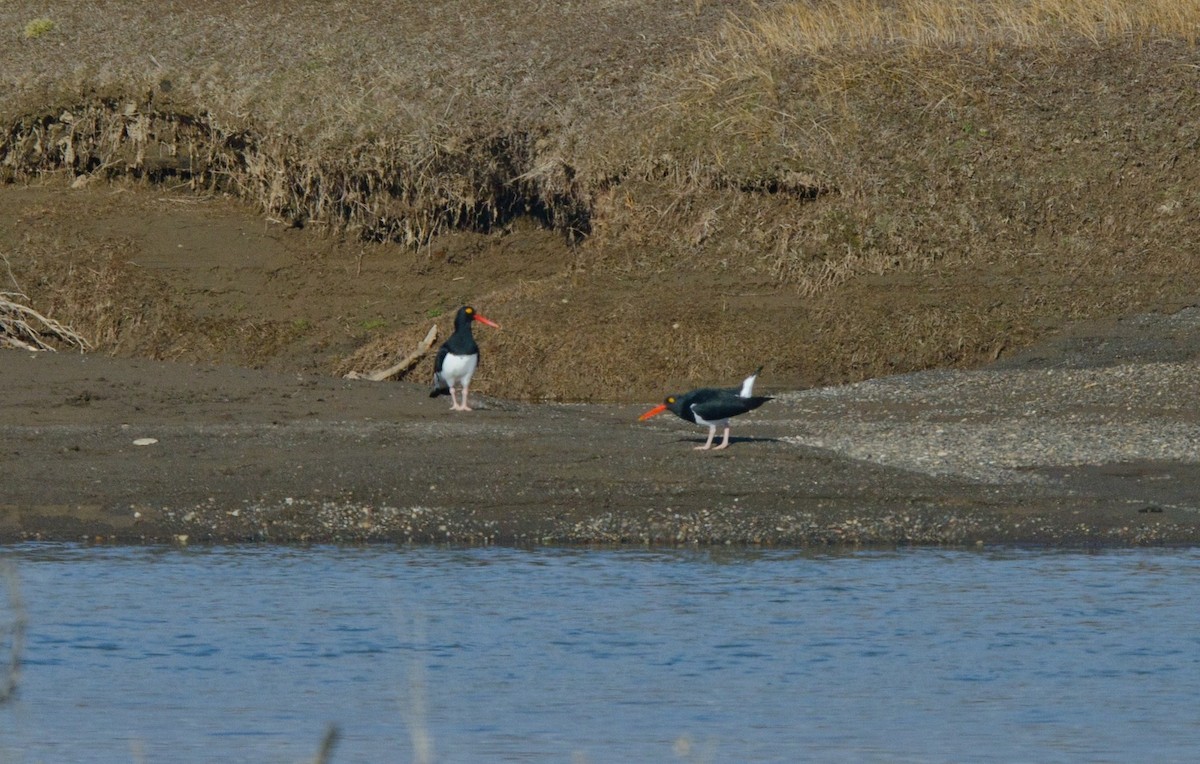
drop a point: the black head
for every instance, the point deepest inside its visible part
(467, 314)
(672, 403)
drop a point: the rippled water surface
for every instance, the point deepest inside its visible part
(446, 655)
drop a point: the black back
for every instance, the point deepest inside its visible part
(713, 404)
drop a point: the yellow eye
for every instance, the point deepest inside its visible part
(671, 399)
(470, 310)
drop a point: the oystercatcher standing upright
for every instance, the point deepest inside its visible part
(712, 407)
(457, 358)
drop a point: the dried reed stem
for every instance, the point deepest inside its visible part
(23, 327)
(328, 742)
(15, 633)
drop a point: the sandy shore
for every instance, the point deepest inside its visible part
(1089, 439)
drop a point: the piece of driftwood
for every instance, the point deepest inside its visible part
(409, 361)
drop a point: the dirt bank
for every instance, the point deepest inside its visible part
(1088, 437)
(688, 190)
(1056, 451)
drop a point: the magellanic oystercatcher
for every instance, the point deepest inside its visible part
(712, 407)
(457, 358)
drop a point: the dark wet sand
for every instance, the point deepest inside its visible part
(243, 455)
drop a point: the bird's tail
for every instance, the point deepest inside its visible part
(439, 386)
(748, 383)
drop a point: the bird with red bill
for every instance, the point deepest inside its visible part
(712, 407)
(458, 357)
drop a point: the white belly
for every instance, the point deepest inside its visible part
(458, 369)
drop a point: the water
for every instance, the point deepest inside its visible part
(425, 654)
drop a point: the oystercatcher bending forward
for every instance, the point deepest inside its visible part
(457, 358)
(712, 407)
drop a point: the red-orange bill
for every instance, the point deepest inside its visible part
(660, 408)
(487, 321)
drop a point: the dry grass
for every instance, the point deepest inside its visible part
(401, 121)
(24, 328)
(837, 28)
(398, 120)
(830, 91)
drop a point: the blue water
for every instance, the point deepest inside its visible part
(444, 655)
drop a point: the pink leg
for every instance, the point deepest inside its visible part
(725, 442)
(712, 430)
(465, 407)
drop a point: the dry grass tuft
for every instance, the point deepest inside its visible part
(25, 328)
(39, 27)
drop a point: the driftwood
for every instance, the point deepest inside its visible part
(409, 361)
(23, 327)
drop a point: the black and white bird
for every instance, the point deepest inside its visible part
(458, 358)
(712, 407)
